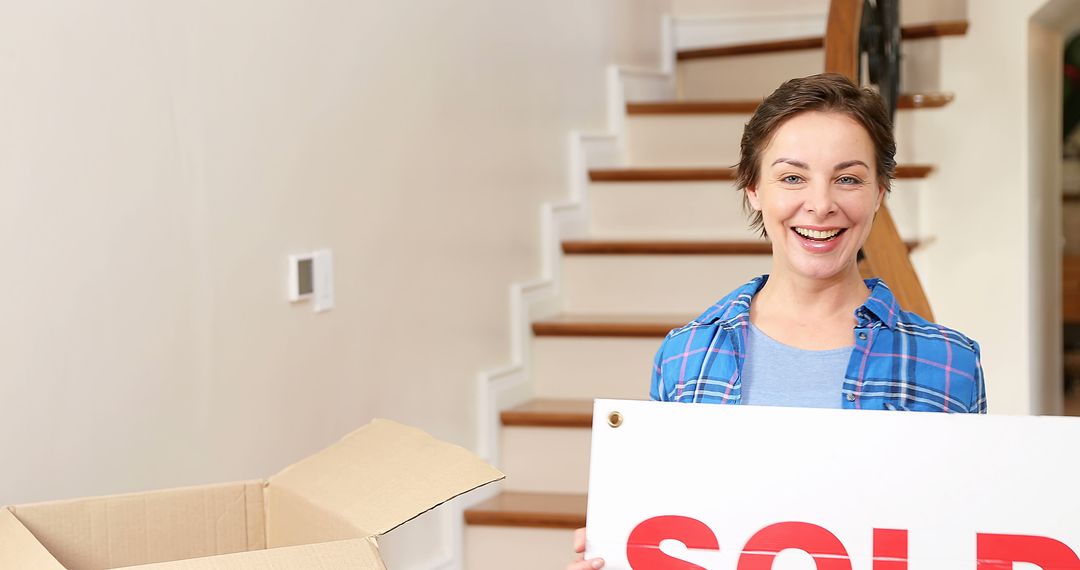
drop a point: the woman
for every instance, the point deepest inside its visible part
(817, 158)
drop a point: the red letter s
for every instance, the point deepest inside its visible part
(999, 551)
(643, 546)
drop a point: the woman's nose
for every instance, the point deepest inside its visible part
(819, 199)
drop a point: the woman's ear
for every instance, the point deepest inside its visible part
(752, 197)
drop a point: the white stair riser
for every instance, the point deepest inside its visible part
(706, 210)
(684, 140)
(546, 459)
(500, 548)
(758, 75)
(593, 367)
(742, 25)
(913, 129)
(713, 140)
(904, 202)
(668, 210)
(654, 284)
(780, 11)
(744, 76)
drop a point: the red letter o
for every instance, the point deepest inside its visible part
(762, 548)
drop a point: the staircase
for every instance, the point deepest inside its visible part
(665, 236)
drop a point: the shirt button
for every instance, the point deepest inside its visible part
(851, 397)
(862, 336)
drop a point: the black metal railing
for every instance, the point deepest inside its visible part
(879, 49)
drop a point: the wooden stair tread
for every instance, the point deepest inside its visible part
(709, 174)
(1072, 404)
(907, 101)
(664, 247)
(670, 174)
(636, 326)
(1070, 289)
(669, 247)
(536, 510)
(934, 29)
(550, 412)
(750, 48)
(910, 32)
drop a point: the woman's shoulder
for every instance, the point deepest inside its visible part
(724, 312)
(925, 362)
(913, 324)
(916, 326)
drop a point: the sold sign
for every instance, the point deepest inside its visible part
(748, 488)
(994, 551)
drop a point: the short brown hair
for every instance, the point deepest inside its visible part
(826, 92)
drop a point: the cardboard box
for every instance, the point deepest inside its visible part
(322, 513)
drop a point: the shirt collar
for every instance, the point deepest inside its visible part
(880, 304)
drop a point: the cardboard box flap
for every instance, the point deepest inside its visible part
(356, 554)
(19, 549)
(383, 475)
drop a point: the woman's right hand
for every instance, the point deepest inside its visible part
(579, 548)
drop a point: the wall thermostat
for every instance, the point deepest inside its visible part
(311, 276)
(301, 276)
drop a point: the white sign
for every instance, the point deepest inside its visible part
(759, 488)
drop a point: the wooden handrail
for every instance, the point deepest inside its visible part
(886, 254)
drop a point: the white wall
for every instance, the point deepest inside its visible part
(159, 160)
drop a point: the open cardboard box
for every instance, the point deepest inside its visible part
(323, 513)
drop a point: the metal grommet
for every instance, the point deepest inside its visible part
(862, 336)
(851, 397)
(615, 419)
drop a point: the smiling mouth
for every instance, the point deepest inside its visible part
(818, 235)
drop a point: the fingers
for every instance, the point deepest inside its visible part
(591, 564)
(579, 548)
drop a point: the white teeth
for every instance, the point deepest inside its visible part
(815, 234)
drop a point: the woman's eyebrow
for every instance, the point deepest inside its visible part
(793, 162)
(849, 163)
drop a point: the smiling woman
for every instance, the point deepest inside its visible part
(817, 159)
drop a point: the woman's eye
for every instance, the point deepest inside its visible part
(848, 180)
(791, 179)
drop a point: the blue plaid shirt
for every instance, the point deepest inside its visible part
(900, 361)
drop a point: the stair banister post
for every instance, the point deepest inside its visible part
(842, 38)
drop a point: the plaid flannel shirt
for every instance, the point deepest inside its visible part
(900, 361)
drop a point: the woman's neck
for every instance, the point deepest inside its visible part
(809, 313)
(790, 294)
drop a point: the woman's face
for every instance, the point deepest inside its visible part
(817, 192)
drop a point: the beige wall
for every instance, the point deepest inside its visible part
(159, 160)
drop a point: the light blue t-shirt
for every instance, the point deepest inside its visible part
(775, 374)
